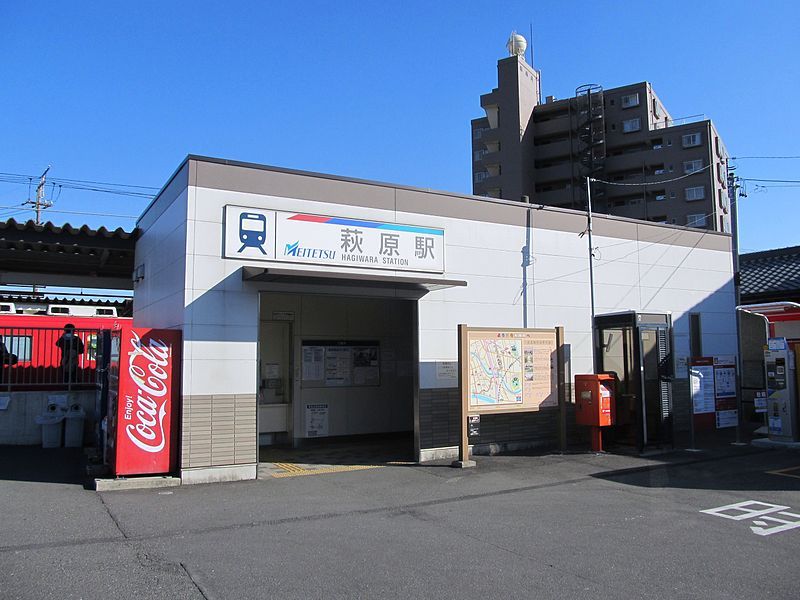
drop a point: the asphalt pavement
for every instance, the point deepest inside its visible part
(541, 526)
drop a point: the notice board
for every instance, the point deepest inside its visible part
(340, 363)
(713, 387)
(509, 370)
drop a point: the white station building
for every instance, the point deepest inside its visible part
(316, 306)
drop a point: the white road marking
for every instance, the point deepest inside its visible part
(759, 511)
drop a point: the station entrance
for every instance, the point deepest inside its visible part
(637, 349)
(336, 382)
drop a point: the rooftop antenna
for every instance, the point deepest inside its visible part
(531, 42)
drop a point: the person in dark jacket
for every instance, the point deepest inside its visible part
(71, 348)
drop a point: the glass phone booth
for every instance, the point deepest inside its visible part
(636, 347)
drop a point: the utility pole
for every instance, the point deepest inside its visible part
(591, 263)
(40, 203)
(732, 189)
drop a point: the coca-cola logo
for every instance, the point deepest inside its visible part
(148, 368)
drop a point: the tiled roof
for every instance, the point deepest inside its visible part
(770, 271)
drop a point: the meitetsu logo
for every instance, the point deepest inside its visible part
(301, 252)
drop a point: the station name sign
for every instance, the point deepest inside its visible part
(269, 235)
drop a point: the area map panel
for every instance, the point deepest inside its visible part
(511, 370)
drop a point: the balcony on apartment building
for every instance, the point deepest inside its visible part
(554, 150)
(552, 127)
(547, 174)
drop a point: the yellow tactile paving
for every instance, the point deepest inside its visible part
(291, 470)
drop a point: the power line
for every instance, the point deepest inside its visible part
(765, 157)
(770, 180)
(72, 212)
(86, 181)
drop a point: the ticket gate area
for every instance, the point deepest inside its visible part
(636, 348)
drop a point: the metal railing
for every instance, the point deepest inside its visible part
(680, 121)
(34, 358)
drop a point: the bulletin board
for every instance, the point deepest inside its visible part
(340, 363)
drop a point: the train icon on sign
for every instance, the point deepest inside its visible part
(252, 231)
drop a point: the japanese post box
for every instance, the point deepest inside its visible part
(594, 400)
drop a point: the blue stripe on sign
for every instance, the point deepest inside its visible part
(390, 226)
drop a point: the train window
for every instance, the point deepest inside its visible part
(20, 345)
(90, 345)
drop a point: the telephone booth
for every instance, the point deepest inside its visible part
(636, 348)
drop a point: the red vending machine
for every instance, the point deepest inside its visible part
(143, 400)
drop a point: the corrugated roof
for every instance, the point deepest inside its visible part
(770, 271)
(50, 227)
(48, 299)
(52, 252)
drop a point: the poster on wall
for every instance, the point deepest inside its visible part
(341, 363)
(510, 369)
(725, 381)
(727, 418)
(313, 363)
(365, 365)
(338, 366)
(316, 420)
(702, 388)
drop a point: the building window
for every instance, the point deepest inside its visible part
(479, 154)
(656, 109)
(696, 220)
(629, 100)
(480, 176)
(672, 195)
(692, 166)
(695, 335)
(631, 125)
(657, 143)
(478, 132)
(695, 193)
(690, 139)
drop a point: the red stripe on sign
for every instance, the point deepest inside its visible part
(312, 218)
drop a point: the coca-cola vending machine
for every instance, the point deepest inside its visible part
(143, 400)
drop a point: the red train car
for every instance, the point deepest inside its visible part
(33, 357)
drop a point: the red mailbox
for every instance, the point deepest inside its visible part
(594, 404)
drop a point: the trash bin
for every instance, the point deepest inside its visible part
(73, 426)
(52, 428)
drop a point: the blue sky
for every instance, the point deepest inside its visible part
(121, 92)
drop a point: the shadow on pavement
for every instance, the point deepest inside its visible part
(734, 468)
(46, 465)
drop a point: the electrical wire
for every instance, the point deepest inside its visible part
(770, 180)
(83, 181)
(73, 212)
(765, 157)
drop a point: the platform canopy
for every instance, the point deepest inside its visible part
(67, 256)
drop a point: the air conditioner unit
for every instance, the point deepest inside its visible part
(661, 196)
(657, 146)
(659, 171)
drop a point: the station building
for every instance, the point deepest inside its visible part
(315, 306)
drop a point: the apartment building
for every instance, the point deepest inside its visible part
(645, 164)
